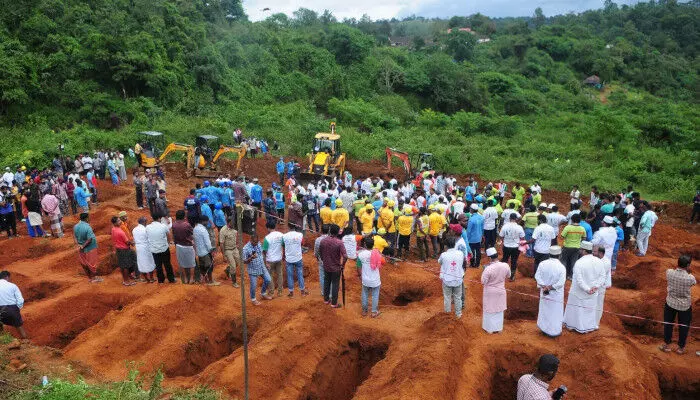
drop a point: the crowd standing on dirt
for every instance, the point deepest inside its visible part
(367, 221)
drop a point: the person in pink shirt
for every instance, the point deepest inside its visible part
(494, 301)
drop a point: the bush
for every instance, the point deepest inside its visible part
(363, 114)
(433, 119)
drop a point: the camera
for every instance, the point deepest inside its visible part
(559, 393)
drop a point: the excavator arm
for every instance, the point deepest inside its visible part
(173, 147)
(240, 150)
(401, 155)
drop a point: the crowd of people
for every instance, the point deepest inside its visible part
(367, 222)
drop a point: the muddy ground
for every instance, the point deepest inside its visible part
(302, 349)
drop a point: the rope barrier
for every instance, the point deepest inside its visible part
(405, 262)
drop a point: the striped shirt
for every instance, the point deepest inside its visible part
(531, 388)
(256, 266)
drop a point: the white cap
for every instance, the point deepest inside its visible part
(474, 206)
(460, 199)
(608, 219)
(551, 205)
(491, 252)
(586, 245)
(554, 250)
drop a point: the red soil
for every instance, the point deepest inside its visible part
(302, 349)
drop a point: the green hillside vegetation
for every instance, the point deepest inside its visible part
(92, 74)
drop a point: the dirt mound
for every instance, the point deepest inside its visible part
(300, 348)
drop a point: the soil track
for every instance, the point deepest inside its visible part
(301, 349)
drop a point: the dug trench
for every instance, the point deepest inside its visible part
(58, 321)
(207, 347)
(344, 369)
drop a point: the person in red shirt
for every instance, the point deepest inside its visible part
(125, 256)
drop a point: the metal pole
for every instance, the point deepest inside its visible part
(239, 218)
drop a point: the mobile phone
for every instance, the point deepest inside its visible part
(559, 393)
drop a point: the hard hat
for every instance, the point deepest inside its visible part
(338, 202)
(381, 231)
(218, 206)
(390, 203)
(369, 207)
(431, 207)
(204, 198)
(24, 168)
(206, 183)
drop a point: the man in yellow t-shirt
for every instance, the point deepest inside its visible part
(518, 192)
(340, 216)
(572, 234)
(367, 219)
(405, 225)
(386, 217)
(379, 242)
(437, 223)
(422, 231)
(326, 213)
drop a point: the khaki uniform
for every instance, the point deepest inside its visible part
(228, 240)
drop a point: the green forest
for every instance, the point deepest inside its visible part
(504, 98)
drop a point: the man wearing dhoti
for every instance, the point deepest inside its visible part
(589, 276)
(494, 301)
(551, 277)
(607, 267)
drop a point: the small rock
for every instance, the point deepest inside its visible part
(14, 345)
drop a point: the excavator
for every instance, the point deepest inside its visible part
(205, 162)
(325, 159)
(201, 161)
(423, 163)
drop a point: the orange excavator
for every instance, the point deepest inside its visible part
(423, 163)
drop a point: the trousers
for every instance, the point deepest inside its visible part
(452, 294)
(331, 282)
(163, 260)
(511, 253)
(569, 256)
(643, 242)
(684, 319)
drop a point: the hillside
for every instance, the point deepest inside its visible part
(92, 74)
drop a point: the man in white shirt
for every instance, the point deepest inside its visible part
(273, 252)
(600, 253)
(458, 207)
(510, 211)
(542, 238)
(554, 219)
(606, 236)
(292, 255)
(11, 302)
(589, 277)
(575, 196)
(8, 177)
(87, 162)
(452, 276)
(490, 218)
(158, 243)
(551, 277)
(511, 233)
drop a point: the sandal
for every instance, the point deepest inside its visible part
(375, 314)
(665, 348)
(256, 303)
(681, 350)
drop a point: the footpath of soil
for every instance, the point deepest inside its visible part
(301, 349)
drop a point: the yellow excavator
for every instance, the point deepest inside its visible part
(326, 158)
(205, 161)
(201, 160)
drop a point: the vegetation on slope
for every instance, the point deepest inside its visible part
(92, 74)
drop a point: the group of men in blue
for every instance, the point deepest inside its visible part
(216, 201)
